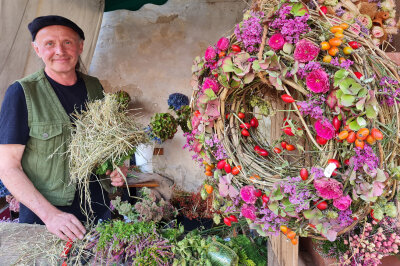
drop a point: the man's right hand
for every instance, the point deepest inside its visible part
(65, 226)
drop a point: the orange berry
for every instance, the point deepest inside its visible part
(377, 134)
(284, 229)
(339, 35)
(352, 137)
(291, 235)
(294, 241)
(362, 134)
(359, 143)
(335, 42)
(209, 173)
(290, 147)
(342, 59)
(344, 26)
(208, 168)
(325, 46)
(347, 50)
(333, 51)
(343, 135)
(335, 29)
(371, 140)
(209, 188)
(327, 59)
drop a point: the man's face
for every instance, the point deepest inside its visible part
(59, 47)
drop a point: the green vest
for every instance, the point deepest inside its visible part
(50, 129)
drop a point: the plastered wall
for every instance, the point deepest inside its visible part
(149, 54)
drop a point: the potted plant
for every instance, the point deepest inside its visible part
(193, 211)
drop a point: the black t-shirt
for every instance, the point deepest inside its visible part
(14, 113)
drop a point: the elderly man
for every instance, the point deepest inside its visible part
(35, 121)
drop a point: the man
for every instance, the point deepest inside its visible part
(35, 121)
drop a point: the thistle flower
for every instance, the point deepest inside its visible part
(210, 84)
(249, 211)
(342, 203)
(247, 194)
(223, 44)
(210, 54)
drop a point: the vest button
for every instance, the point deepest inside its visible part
(45, 135)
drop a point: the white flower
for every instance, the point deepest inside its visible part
(388, 5)
(376, 42)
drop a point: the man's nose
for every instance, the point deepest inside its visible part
(59, 48)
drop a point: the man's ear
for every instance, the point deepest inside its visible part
(81, 46)
(36, 48)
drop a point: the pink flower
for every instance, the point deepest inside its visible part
(223, 44)
(276, 41)
(210, 84)
(305, 51)
(324, 129)
(355, 28)
(247, 193)
(249, 211)
(195, 122)
(328, 188)
(210, 54)
(318, 81)
(197, 146)
(212, 109)
(377, 32)
(342, 203)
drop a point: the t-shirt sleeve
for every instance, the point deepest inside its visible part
(14, 116)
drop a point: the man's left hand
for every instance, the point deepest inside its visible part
(117, 180)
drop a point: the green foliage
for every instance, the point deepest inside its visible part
(192, 250)
(109, 165)
(332, 249)
(183, 118)
(163, 126)
(123, 99)
(250, 253)
(109, 231)
(221, 255)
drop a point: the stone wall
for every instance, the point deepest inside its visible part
(149, 54)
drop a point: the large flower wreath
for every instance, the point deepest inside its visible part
(333, 95)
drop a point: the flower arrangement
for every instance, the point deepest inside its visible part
(335, 157)
(163, 126)
(375, 20)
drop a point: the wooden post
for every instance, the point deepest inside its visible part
(284, 252)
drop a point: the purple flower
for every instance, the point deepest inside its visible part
(250, 32)
(325, 129)
(364, 157)
(210, 84)
(276, 41)
(223, 44)
(248, 194)
(342, 203)
(225, 187)
(305, 51)
(249, 211)
(317, 172)
(328, 188)
(210, 54)
(344, 64)
(311, 108)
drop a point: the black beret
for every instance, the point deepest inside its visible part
(45, 21)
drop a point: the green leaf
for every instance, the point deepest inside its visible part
(298, 9)
(248, 78)
(339, 75)
(361, 121)
(339, 94)
(277, 195)
(370, 112)
(363, 92)
(256, 66)
(227, 65)
(210, 94)
(308, 214)
(354, 126)
(360, 104)
(380, 175)
(347, 100)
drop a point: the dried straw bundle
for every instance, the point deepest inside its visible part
(103, 132)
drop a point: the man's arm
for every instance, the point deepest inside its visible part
(62, 224)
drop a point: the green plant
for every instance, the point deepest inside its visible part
(163, 126)
(183, 117)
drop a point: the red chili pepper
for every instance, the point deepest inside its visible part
(287, 98)
(277, 150)
(283, 144)
(322, 205)
(67, 248)
(221, 164)
(241, 115)
(263, 152)
(304, 173)
(336, 123)
(227, 168)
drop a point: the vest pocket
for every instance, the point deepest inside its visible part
(45, 138)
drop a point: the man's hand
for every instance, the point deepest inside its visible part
(117, 180)
(65, 226)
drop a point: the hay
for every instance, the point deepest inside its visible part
(104, 132)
